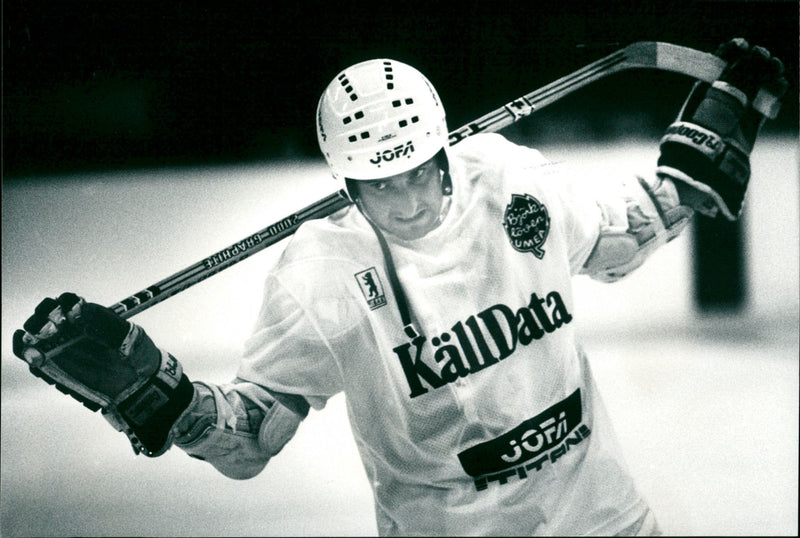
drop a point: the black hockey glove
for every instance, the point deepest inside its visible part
(707, 149)
(92, 354)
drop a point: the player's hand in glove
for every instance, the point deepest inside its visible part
(707, 149)
(109, 364)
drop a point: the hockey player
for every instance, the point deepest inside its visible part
(441, 304)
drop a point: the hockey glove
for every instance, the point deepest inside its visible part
(92, 354)
(707, 149)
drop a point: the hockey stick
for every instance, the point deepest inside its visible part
(639, 55)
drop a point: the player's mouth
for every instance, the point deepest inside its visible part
(413, 219)
(415, 226)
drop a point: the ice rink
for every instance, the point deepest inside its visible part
(706, 406)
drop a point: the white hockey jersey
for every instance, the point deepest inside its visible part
(488, 422)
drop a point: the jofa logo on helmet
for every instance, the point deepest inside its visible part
(527, 224)
(388, 155)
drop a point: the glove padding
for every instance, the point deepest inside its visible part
(92, 354)
(707, 150)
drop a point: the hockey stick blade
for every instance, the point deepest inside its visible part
(639, 55)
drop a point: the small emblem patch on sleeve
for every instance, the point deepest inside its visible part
(372, 288)
(527, 224)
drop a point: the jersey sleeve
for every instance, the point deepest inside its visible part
(614, 221)
(611, 220)
(568, 193)
(236, 427)
(576, 204)
(286, 352)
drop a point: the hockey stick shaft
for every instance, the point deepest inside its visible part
(653, 55)
(229, 256)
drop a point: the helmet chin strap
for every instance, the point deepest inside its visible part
(406, 314)
(447, 183)
(394, 281)
(447, 198)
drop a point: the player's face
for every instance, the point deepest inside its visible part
(407, 205)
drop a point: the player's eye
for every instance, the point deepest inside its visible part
(378, 186)
(421, 174)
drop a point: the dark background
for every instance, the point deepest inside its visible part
(110, 84)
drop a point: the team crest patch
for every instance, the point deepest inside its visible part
(527, 224)
(371, 287)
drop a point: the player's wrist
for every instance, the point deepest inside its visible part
(148, 415)
(199, 417)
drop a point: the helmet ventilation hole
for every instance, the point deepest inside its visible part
(354, 138)
(388, 73)
(358, 115)
(347, 87)
(398, 103)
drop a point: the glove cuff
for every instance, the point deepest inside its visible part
(707, 142)
(148, 415)
(706, 162)
(153, 436)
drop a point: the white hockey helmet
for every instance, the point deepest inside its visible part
(379, 118)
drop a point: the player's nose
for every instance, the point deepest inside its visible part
(413, 201)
